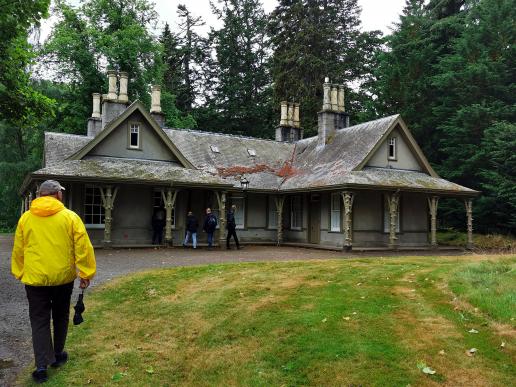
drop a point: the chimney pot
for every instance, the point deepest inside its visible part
(122, 95)
(290, 115)
(340, 98)
(296, 115)
(96, 105)
(283, 118)
(111, 85)
(156, 99)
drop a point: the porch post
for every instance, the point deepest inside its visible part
(169, 199)
(108, 196)
(25, 203)
(347, 198)
(432, 207)
(393, 202)
(279, 200)
(221, 199)
(30, 199)
(468, 203)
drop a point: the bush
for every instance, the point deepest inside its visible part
(452, 237)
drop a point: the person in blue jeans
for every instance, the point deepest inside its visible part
(191, 229)
(210, 224)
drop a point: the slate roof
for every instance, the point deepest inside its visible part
(276, 166)
(134, 170)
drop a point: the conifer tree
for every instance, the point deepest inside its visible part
(240, 98)
(313, 39)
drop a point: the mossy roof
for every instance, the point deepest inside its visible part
(276, 166)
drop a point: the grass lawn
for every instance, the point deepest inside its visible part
(350, 322)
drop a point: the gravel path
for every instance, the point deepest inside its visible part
(15, 344)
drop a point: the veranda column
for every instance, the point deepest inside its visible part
(347, 198)
(393, 203)
(468, 203)
(108, 196)
(279, 200)
(169, 199)
(221, 199)
(432, 207)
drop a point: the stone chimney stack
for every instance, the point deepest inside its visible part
(332, 116)
(114, 104)
(95, 122)
(155, 110)
(289, 129)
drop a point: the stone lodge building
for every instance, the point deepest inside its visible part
(367, 185)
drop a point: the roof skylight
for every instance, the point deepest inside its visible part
(251, 152)
(214, 149)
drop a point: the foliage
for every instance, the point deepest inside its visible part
(97, 35)
(22, 107)
(456, 238)
(449, 72)
(239, 102)
(313, 39)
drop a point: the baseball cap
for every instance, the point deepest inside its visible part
(50, 187)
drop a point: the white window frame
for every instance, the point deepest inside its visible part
(239, 201)
(272, 221)
(93, 208)
(296, 212)
(134, 128)
(156, 204)
(387, 216)
(392, 145)
(335, 212)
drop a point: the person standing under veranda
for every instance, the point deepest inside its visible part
(51, 248)
(231, 227)
(158, 224)
(210, 224)
(191, 229)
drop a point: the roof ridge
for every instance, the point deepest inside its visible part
(223, 134)
(66, 134)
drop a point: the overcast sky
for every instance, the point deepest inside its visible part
(376, 14)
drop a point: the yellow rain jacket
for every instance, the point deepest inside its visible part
(51, 244)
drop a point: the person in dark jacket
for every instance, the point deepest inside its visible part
(210, 224)
(231, 227)
(191, 229)
(158, 223)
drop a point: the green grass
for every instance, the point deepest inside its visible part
(490, 286)
(342, 322)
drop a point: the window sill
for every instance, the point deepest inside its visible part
(134, 149)
(95, 226)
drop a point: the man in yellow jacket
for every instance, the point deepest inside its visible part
(51, 247)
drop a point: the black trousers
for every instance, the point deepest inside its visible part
(157, 236)
(232, 232)
(46, 302)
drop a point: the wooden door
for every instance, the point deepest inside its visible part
(315, 222)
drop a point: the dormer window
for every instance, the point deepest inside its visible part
(392, 148)
(214, 149)
(134, 136)
(251, 152)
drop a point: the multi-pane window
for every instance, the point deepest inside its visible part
(240, 211)
(134, 136)
(273, 213)
(296, 213)
(387, 216)
(392, 148)
(335, 212)
(93, 208)
(157, 202)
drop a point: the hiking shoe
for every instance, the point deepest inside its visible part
(40, 375)
(61, 358)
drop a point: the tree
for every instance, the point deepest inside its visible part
(240, 99)
(22, 108)
(103, 34)
(313, 39)
(474, 109)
